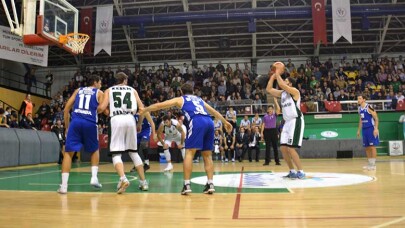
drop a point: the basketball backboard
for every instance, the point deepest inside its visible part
(55, 18)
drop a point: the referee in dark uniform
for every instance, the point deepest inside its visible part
(270, 132)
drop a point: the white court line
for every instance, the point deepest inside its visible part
(131, 179)
(27, 175)
(390, 223)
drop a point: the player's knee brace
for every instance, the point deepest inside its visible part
(116, 158)
(135, 158)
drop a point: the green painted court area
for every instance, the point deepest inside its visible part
(48, 179)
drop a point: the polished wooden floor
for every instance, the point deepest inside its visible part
(376, 203)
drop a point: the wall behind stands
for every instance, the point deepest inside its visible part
(27, 147)
(15, 98)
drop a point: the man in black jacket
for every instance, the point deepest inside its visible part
(60, 133)
(254, 144)
(242, 141)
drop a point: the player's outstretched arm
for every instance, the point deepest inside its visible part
(68, 107)
(104, 103)
(177, 101)
(216, 114)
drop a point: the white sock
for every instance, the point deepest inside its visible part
(147, 161)
(186, 181)
(302, 171)
(210, 181)
(123, 178)
(293, 170)
(65, 178)
(142, 182)
(167, 155)
(94, 170)
(371, 161)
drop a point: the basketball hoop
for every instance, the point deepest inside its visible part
(76, 41)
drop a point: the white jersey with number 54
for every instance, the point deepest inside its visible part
(122, 100)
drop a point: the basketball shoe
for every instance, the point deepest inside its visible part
(62, 189)
(94, 182)
(122, 186)
(209, 188)
(186, 189)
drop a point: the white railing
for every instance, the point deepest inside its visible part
(247, 107)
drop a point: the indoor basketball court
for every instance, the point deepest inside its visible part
(335, 193)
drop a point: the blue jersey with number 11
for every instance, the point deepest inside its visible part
(85, 106)
(193, 106)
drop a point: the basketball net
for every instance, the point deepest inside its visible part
(76, 41)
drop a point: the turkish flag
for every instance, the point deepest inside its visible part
(86, 26)
(319, 21)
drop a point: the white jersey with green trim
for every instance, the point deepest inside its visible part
(122, 100)
(290, 108)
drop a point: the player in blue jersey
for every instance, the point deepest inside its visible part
(200, 132)
(147, 130)
(368, 125)
(82, 130)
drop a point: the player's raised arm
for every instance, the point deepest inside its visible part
(278, 109)
(274, 92)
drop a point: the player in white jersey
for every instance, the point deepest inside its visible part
(174, 131)
(123, 102)
(293, 130)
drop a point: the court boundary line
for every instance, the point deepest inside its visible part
(238, 196)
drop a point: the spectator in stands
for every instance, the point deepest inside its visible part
(27, 122)
(242, 141)
(13, 120)
(399, 96)
(37, 121)
(220, 67)
(245, 122)
(30, 79)
(48, 83)
(26, 106)
(44, 110)
(256, 121)
(257, 107)
(254, 139)
(3, 119)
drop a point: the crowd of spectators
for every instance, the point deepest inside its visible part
(225, 85)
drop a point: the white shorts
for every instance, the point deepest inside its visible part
(293, 132)
(123, 134)
(168, 141)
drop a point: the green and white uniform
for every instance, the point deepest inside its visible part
(293, 129)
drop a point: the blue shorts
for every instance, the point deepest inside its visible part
(82, 133)
(368, 137)
(143, 136)
(200, 134)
